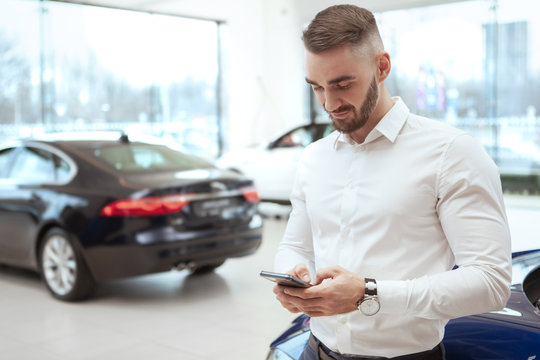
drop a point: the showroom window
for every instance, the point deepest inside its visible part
(70, 67)
(475, 65)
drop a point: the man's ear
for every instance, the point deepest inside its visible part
(383, 66)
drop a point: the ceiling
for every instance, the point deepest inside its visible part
(206, 8)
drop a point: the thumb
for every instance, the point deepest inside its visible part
(301, 271)
(326, 273)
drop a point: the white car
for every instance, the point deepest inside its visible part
(272, 166)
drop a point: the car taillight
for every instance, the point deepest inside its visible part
(250, 194)
(148, 206)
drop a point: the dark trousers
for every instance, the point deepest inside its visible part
(315, 350)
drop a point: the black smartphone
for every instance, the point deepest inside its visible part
(285, 279)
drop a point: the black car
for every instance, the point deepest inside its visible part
(82, 212)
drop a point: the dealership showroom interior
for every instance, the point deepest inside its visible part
(149, 151)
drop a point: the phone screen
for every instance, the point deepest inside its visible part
(285, 279)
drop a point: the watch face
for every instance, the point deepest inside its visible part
(370, 306)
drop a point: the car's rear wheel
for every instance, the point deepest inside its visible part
(63, 268)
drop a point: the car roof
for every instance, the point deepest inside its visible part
(91, 139)
(82, 137)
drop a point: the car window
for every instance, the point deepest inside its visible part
(303, 136)
(147, 158)
(62, 169)
(5, 156)
(298, 137)
(141, 157)
(32, 165)
(523, 265)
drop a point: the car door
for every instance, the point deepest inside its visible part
(22, 203)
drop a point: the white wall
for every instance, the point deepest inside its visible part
(264, 69)
(282, 80)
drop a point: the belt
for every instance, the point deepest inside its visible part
(326, 354)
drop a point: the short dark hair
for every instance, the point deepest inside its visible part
(341, 25)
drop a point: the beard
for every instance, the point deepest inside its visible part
(360, 117)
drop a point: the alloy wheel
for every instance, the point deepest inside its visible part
(59, 265)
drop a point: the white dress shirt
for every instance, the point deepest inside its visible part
(415, 199)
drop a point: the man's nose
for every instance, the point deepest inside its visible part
(332, 102)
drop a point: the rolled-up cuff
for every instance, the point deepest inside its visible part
(393, 296)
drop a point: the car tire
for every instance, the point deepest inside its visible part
(63, 268)
(205, 269)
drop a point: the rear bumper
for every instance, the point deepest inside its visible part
(142, 256)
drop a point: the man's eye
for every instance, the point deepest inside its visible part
(317, 88)
(344, 86)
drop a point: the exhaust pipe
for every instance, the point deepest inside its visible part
(190, 266)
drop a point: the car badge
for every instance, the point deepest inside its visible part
(218, 186)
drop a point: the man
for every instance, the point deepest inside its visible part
(383, 208)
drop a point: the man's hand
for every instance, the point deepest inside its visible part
(301, 272)
(335, 291)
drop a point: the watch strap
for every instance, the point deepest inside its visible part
(371, 287)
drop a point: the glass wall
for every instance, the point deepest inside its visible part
(475, 65)
(19, 66)
(66, 67)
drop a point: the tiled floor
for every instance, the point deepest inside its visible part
(230, 314)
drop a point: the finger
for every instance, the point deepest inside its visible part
(301, 271)
(291, 308)
(283, 291)
(315, 310)
(311, 293)
(315, 313)
(286, 302)
(317, 307)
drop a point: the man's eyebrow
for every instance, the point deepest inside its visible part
(341, 78)
(334, 81)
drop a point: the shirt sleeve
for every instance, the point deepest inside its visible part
(472, 215)
(296, 246)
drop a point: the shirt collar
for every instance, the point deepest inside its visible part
(389, 126)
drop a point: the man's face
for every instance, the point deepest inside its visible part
(345, 85)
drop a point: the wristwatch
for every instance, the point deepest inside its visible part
(369, 305)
